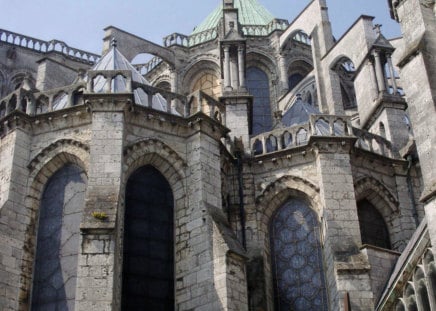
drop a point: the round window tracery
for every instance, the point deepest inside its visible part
(297, 263)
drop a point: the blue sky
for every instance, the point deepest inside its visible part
(80, 23)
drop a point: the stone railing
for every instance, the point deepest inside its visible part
(202, 102)
(149, 66)
(192, 40)
(264, 30)
(211, 34)
(280, 139)
(319, 125)
(47, 46)
(373, 143)
(330, 125)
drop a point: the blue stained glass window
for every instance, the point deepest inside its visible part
(297, 263)
(258, 86)
(58, 241)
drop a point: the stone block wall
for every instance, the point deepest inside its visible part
(382, 263)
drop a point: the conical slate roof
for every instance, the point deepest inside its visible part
(251, 12)
(114, 60)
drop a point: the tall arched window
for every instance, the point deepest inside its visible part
(148, 259)
(58, 240)
(373, 229)
(209, 84)
(258, 86)
(297, 263)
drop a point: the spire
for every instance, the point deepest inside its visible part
(377, 28)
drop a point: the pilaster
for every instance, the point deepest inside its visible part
(96, 260)
(347, 267)
(15, 218)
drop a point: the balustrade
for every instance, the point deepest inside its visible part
(46, 46)
(143, 69)
(373, 143)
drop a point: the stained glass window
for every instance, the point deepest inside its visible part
(297, 262)
(58, 241)
(373, 228)
(148, 260)
(258, 86)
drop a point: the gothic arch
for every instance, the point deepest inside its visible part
(41, 171)
(258, 59)
(370, 190)
(145, 151)
(73, 150)
(278, 192)
(276, 195)
(377, 194)
(297, 71)
(196, 69)
(345, 69)
(288, 37)
(151, 152)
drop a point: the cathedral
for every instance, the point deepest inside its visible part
(256, 164)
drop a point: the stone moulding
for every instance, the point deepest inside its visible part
(59, 144)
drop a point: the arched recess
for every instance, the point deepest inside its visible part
(373, 229)
(58, 240)
(151, 153)
(370, 190)
(203, 75)
(346, 71)
(275, 196)
(296, 258)
(148, 242)
(297, 71)
(194, 73)
(42, 168)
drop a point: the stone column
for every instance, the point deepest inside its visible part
(227, 85)
(234, 72)
(392, 72)
(379, 72)
(284, 87)
(241, 66)
(373, 78)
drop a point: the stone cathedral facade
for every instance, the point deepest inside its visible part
(254, 164)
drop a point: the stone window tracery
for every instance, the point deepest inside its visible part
(58, 240)
(297, 263)
(209, 84)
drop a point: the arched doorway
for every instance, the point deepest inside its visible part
(148, 245)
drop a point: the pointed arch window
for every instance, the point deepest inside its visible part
(58, 240)
(258, 86)
(148, 246)
(297, 264)
(373, 229)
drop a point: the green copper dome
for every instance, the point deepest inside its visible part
(251, 12)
